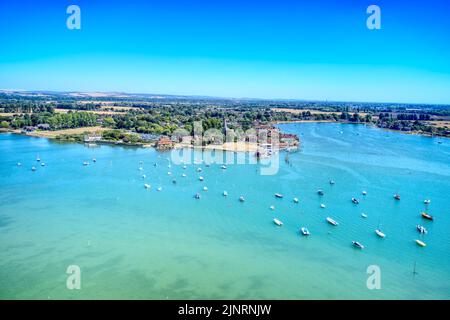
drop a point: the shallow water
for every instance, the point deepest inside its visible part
(135, 243)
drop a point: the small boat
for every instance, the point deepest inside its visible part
(427, 216)
(94, 160)
(205, 188)
(241, 199)
(144, 176)
(225, 194)
(33, 168)
(427, 201)
(147, 186)
(272, 207)
(364, 193)
(304, 231)
(277, 222)
(322, 206)
(363, 215)
(38, 159)
(332, 182)
(184, 167)
(140, 168)
(43, 164)
(396, 196)
(199, 169)
(197, 196)
(184, 175)
(332, 222)
(159, 189)
(379, 233)
(358, 244)
(19, 164)
(169, 173)
(421, 229)
(278, 195)
(295, 200)
(355, 201)
(201, 178)
(85, 163)
(174, 181)
(224, 167)
(420, 243)
(320, 192)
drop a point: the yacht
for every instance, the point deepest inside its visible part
(278, 195)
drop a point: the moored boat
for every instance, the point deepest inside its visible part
(355, 201)
(304, 231)
(427, 216)
(320, 192)
(322, 206)
(421, 229)
(364, 193)
(147, 186)
(380, 233)
(278, 195)
(363, 215)
(396, 196)
(241, 199)
(427, 201)
(420, 243)
(277, 222)
(296, 200)
(358, 244)
(332, 222)
(225, 194)
(197, 196)
(201, 178)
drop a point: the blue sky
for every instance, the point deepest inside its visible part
(314, 50)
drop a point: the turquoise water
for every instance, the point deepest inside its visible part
(134, 243)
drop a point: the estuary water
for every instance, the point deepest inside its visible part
(136, 243)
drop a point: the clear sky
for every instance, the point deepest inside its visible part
(317, 49)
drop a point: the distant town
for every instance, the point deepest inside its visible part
(167, 122)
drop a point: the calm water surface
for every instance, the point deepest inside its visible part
(135, 243)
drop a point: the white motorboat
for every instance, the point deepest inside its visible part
(224, 167)
(147, 186)
(205, 188)
(358, 244)
(184, 175)
(241, 199)
(304, 231)
(427, 201)
(364, 193)
(332, 222)
(201, 178)
(277, 222)
(278, 195)
(159, 189)
(363, 215)
(380, 233)
(296, 200)
(322, 206)
(355, 201)
(225, 194)
(33, 168)
(272, 207)
(421, 229)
